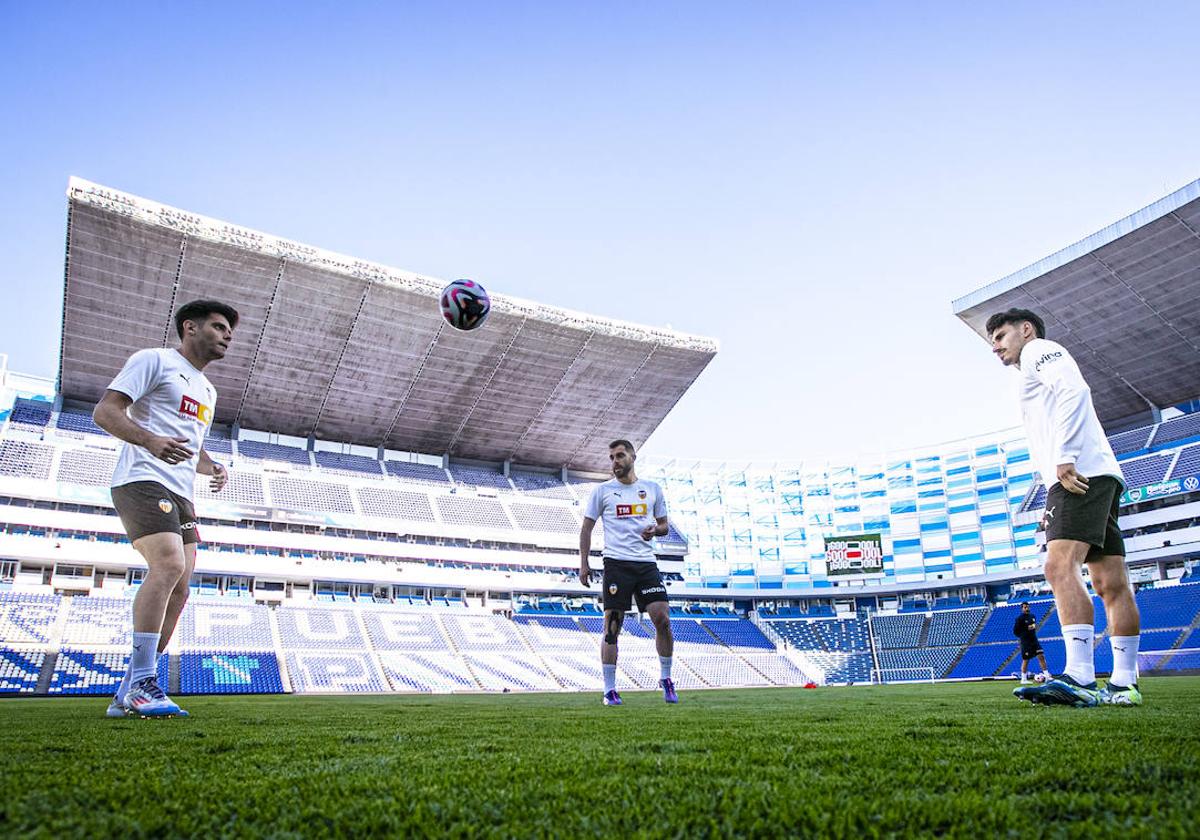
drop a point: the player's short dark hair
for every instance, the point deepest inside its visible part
(1016, 316)
(622, 442)
(199, 310)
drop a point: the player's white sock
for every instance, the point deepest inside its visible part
(123, 688)
(664, 665)
(1124, 651)
(610, 677)
(1081, 664)
(144, 661)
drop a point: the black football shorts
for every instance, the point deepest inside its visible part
(629, 580)
(147, 507)
(1090, 518)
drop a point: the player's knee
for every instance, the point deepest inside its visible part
(610, 638)
(171, 566)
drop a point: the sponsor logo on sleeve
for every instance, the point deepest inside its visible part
(1046, 359)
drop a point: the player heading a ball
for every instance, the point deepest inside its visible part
(465, 304)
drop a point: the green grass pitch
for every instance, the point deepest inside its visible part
(952, 760)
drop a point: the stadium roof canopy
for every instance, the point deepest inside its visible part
(348, 350)
(1125, 302)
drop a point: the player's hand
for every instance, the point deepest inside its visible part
(1072, 481)
(220, 475)
(585, 574)
(649, 532)
(170, 449)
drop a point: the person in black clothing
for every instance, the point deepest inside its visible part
(1025, 629)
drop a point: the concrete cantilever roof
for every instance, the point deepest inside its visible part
(348, 350)
(1125, 301)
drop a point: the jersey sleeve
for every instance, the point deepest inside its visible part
(660, 503)
(593, 509)
(136, 379)
(1053, 366)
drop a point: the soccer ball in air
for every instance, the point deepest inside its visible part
(465, 305)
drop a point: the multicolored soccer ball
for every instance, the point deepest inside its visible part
(465, 305)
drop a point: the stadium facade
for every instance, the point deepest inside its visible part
(360, 483)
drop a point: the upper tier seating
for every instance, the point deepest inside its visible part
(218, 446)
(30, 414)
(1178, 429)
(1188, 463)
(1130, 441)
(479, 477)
(540, 484)
(414, 472)
(77, 423)
(257, 450)
(358, 466)
(1149, 469)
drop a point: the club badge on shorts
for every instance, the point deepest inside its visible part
(612, 589)
(165, 505)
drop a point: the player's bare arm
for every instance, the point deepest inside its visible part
(658, 529)
(585, 550)
(110, 415)
(207, 466)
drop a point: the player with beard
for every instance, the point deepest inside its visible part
(161, 405)
(1025, 629)
(634, 512)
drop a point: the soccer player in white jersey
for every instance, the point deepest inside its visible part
(161, 405)
(1084, 485)
(634, 512)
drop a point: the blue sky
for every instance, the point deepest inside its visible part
(809, 183)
